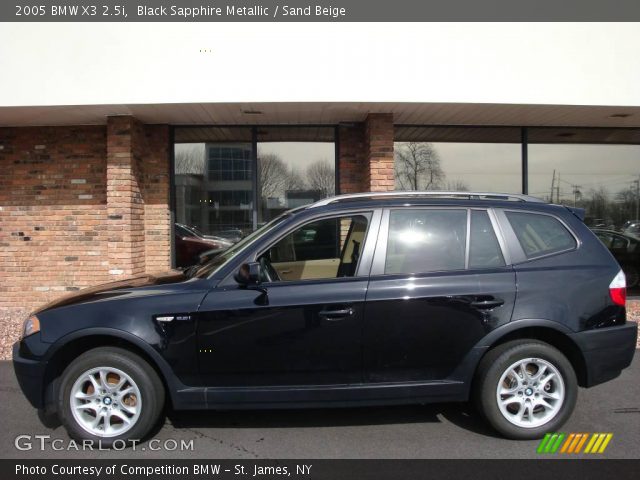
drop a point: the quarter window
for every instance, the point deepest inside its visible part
(426, 240)
(540, 234)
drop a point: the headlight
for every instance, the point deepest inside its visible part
(31, 326)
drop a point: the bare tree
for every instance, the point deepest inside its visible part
(417, 166)
(457, 186)
(189, 160)
(276, 178)
(321, 176)
(272, 173)
(598, 204)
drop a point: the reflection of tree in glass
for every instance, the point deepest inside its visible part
(321, 176)
(457, 186)
(189, 160)
(276, 177)
(417, 167)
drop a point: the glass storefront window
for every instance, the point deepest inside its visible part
(458, 159)
(600, 178)
(294, 172)
(214, 181)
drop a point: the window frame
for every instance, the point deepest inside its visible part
(518, 254)
(380, 257)
(373, 215)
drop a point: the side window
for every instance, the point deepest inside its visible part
(540, 234)
(484, 250)
(327, 248)
(426, 240)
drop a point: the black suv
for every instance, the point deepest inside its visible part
(364, 299)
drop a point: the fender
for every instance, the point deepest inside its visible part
(515, 325)
(467, 368)
(172, 382)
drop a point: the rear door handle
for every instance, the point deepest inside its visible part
(487, 304)
(333, 315)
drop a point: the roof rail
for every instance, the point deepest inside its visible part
(432, 193)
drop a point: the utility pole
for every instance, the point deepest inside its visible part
(576, 193)
(558, 190)
(553, 182)
(637, 182)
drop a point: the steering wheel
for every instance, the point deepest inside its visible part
(269, 274)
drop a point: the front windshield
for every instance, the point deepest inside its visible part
(218, 261)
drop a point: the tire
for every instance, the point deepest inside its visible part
(500, 367)
(133, 390)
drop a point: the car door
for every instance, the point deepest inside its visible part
(440, 281)
(293, 331)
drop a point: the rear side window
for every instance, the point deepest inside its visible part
(484, 250)
(426, 240)
(540, 234)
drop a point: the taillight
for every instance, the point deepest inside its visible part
(618, 289)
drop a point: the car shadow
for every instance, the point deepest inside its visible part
(459, 414)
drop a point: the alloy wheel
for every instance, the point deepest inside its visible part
(530, 392)
(105, 401)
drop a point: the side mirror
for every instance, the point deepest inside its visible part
(249, 274)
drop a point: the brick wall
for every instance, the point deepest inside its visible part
(379, 174)
(53, 202)
(366, 155)
(351, 162)
(79, 206)
(156, 188)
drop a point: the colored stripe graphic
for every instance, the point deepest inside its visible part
(573, 443)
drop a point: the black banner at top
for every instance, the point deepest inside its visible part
(318, 10)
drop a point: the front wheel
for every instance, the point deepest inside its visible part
(109, 394)
(525, 388)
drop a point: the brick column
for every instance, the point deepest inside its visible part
(366, 155)
(351, 163)
(156, 193)
(125, 208)
(379, 174)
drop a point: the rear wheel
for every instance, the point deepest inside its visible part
(109, 394)
(525, 388)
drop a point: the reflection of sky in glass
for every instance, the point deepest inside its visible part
(496, 167)
(299, 155)
(491, 167)
(612, 167)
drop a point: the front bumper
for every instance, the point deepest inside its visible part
(30, 374)
(607, 351)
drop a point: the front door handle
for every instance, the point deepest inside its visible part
(487, 304)
(333, 315)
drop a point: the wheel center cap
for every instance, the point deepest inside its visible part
(528, 392)
(107, 401)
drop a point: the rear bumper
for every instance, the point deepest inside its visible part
(607, 351)
(30, 374)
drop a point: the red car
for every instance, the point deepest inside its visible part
(189, 246)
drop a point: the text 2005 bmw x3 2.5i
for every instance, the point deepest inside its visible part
(363, 299)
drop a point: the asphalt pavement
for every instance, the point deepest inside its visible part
(433, 431)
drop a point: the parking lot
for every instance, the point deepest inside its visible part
(434, 431)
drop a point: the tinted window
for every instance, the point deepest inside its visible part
(426, 241)
(540, 234)
(484, 251)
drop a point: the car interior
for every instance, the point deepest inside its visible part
(327, 248)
